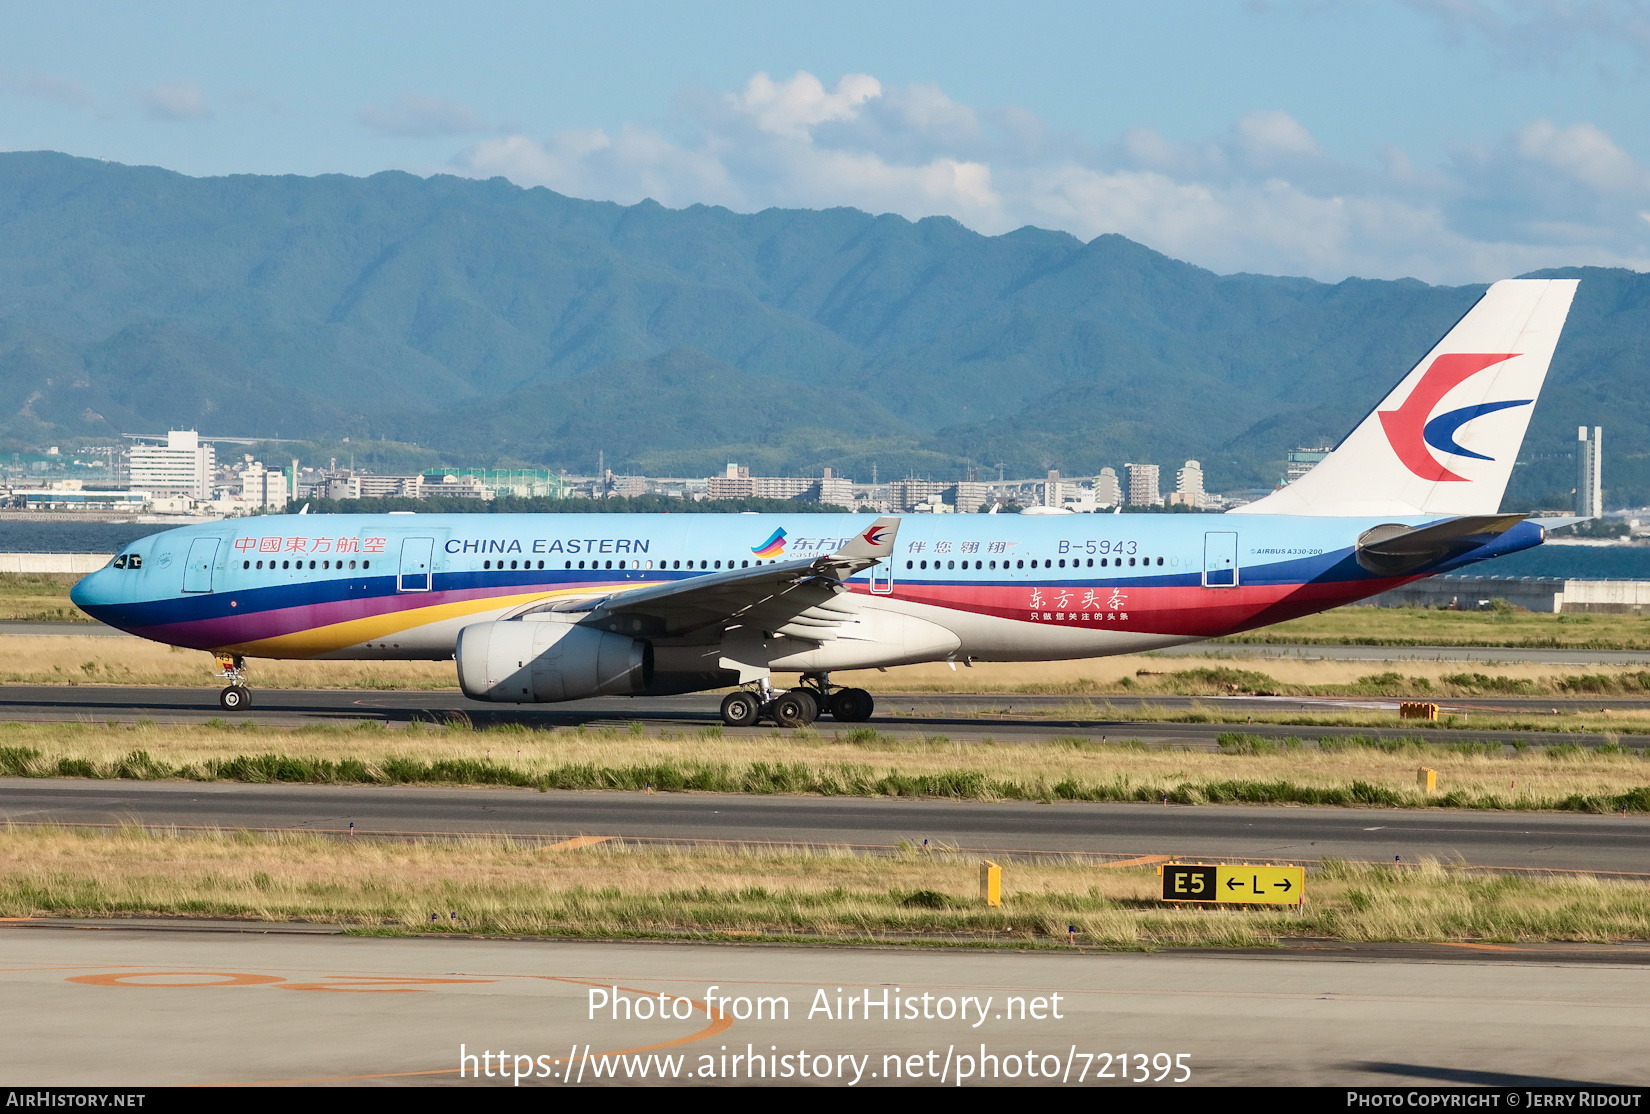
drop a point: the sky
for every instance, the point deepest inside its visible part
(1448, 140)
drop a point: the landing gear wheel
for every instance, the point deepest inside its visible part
(235, 698)
(740, 709)
(852, 705)
(796, 708)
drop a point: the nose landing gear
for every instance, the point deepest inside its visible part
(236, 696)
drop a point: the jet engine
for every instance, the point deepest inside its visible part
(532, 662)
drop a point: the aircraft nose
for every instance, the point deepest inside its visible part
(91, 590)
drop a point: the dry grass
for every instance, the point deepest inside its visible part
(94, 660)
(39, 597)
(618, 758)
(612, 890)
(1363, 624)
(1612, 725)
(85, 659)
(1226, 671)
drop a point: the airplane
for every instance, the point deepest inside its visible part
(540, 608)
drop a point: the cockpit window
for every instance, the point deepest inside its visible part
(134, 561)
(120, 561)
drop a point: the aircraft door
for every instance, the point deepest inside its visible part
(416, 555)
(1220, 564)
(881, 576)
(197, 570)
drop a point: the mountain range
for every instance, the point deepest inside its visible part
(498, 325)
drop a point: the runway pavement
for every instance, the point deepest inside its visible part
(1494, 654)
(961, 717)
(118, 1007)
(1501, 654)
(1555, 841)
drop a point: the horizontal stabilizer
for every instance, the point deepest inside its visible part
(1393, 549)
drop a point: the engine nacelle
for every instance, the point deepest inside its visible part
(528, 662)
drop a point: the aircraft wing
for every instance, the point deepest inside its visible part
(801, 599)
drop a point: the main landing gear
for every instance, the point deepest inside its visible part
(799, 706)
(235, 697)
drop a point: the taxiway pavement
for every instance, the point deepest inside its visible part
(961, 717)
(1510, 840)
(1494, 654)
(121, 1007)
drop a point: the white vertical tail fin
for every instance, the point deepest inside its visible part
(1445, 440)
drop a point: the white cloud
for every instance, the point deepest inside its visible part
(793, 108)
(1265, 197)
(410, 114)
(45, 87)
(178, 100)
(1543, 31)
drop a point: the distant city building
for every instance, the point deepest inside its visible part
(1302, 461)
(628, 487)
(1188, 489)
(733, 484)
(738, 483)
(452, 486)
(1107, 491)
(263, 487)
(1188, 481)
(971, 495)
(182, 466)
(1589, 472)
(1143, 490)
(75, 496)
(389, 487)
(905, 495)
(833, 490)
(1053, 490)
(781, 487)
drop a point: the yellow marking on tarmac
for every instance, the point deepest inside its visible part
(716, 1026)
(1139, 860)
(224, 978)
(315, 641)
(366, 984)
(577, 842)
(1484, 947)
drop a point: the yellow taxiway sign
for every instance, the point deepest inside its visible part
(1270, 885)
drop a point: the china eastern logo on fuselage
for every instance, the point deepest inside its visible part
(1411, 427)
(773, 547)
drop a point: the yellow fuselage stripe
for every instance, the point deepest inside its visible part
(332, 637)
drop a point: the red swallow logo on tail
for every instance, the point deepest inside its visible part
(873, 536)
(1411, 427)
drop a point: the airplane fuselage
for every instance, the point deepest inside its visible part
(999, 587)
